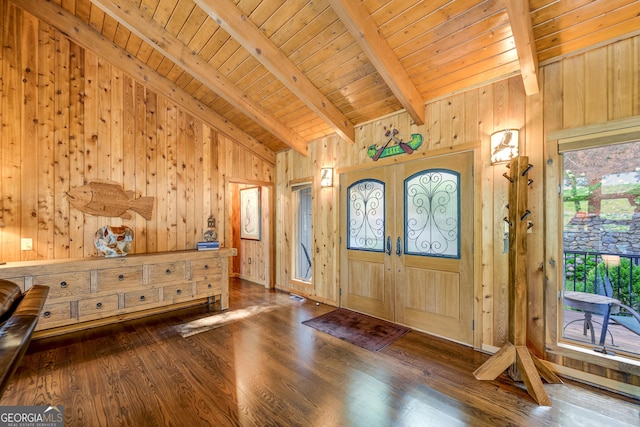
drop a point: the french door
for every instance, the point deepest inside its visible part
(407, 235)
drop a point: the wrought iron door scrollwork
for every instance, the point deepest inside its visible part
(366, 215)
(432, 216)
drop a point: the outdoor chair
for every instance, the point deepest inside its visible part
(629, 318)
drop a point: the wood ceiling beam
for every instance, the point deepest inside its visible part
(360, 24)
(129, 15)
(522, 29)
(226, 14)
(86, 37)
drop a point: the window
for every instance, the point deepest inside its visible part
(365, 216)
(601, 247)
(432, 213)
(302, 239)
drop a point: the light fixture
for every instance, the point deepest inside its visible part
(326, 177)
(504, 145)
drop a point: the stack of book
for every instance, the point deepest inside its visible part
(208, 246)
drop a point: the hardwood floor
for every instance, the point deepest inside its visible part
(259, 366)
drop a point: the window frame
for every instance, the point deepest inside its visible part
(295, 188)
(575, 139)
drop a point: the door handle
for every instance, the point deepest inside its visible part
(398, 247)
(388, 245)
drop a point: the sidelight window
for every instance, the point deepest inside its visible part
(302, 261)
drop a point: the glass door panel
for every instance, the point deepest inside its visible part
(601, 248)
(432, 214)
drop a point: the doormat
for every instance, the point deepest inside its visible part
(359, 329)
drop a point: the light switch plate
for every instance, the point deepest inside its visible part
(26, 244)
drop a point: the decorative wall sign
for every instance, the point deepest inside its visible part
(250, 213)
(106, 198)
(393, 145)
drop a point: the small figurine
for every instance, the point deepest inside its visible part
(210, 234)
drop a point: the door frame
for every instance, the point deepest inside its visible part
(267, 232)
(478, 274)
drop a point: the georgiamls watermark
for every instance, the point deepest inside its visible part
(31, 416)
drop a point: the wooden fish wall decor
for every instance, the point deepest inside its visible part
(106, 198)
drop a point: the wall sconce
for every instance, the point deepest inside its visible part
(504, 145)
(326, 177)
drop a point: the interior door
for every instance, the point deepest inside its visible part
(407, 236)
(434, 274)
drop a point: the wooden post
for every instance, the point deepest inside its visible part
(521, 363)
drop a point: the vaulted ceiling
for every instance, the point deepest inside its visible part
(286, 72)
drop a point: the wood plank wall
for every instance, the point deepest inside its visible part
(68, 118)
(594, 88)
(293, 167)
(460, 122)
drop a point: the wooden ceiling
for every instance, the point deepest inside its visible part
(287, 72)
